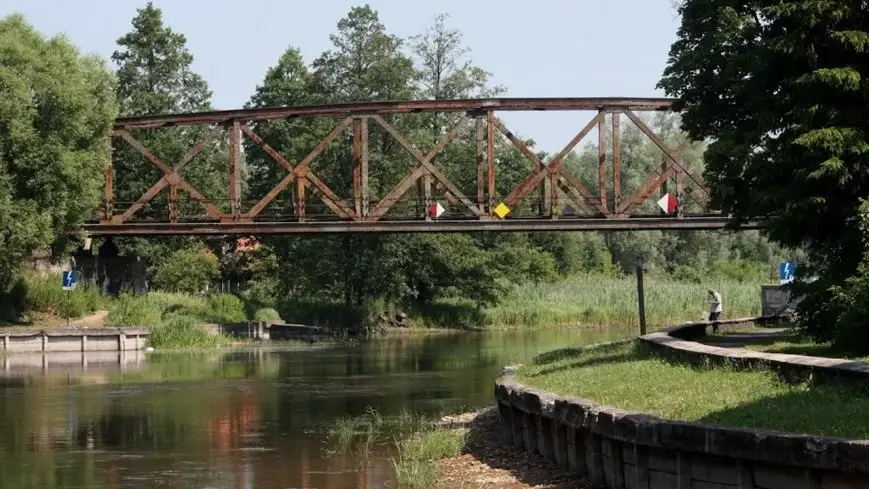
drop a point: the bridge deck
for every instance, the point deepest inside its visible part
(144, 228)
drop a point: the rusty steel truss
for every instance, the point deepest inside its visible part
(563, 201)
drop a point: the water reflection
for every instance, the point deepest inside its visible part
(238, 419)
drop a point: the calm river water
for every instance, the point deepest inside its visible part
(239, 419)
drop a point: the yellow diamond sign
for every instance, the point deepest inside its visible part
(501, 210)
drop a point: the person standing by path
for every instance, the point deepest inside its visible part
(715, 308)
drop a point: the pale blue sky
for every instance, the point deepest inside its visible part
(546, 48)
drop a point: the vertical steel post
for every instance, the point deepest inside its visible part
(363, 163)
(617, 161)
(490, 157)
(481, 163)
(641, 298)
(357, 165)
(234, 178)
(601, 161)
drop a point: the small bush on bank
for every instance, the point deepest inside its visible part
(187, 270)
(225, 308)
(267, 315)
(129, 310)
(182, 332)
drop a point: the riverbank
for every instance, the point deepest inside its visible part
(486, 462)
(633, 377)
(449, 452)
(588, 300)
(580, 300)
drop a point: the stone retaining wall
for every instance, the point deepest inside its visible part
(95, 339)
(628, 450)
(678, 340)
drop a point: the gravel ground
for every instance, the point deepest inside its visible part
(488, 464)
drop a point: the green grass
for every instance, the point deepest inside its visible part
(415, 439)
(413, 464)
(598, 300)
(581, 300)
(362, 433)
(37, 297)
(632, 377)
(805, 347)
(173, 318)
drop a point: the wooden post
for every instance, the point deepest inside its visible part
(641, 299)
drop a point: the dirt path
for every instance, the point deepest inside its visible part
(95, 320)
(488, 464)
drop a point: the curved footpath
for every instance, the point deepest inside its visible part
(619, 449)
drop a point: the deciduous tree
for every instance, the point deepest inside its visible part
(56, 110)
(780, 90)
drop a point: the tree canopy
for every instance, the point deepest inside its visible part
(56, 110)
(365, 61)
(780, 89)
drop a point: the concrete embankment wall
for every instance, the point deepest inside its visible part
(629, 450)
(96, 339)
(126, 339)
(267, 330)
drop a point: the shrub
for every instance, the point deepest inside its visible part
(182, 332)
(225, 308)
(187, 270)
(129, 310)
(43, 294)
(267, 314)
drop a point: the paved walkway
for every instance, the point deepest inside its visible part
(754, 336)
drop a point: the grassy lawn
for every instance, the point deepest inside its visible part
(805, 347)
(631, 377)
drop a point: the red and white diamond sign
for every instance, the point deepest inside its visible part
(668, 203)
(435, 210)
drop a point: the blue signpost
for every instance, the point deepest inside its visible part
(69, 279)
(786, 272)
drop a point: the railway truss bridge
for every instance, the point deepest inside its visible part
(423, 187)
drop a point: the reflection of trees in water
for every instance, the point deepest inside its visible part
(202, 428)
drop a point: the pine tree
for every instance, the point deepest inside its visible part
(781, 90)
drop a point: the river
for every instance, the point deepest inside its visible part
(240, 419)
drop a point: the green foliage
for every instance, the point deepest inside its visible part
(56, 110)
(187, 270)
(129, 310)
(267, 315)
(600, 300)
(37, 293)
(225, 308)
(183, 332)
(779, 88)
(155, 77)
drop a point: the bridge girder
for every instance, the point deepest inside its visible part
(564, 201)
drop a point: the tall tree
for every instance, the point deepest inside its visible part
(155, 77)
(780, 89)
(56, 110)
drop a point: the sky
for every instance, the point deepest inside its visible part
(546, 48)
